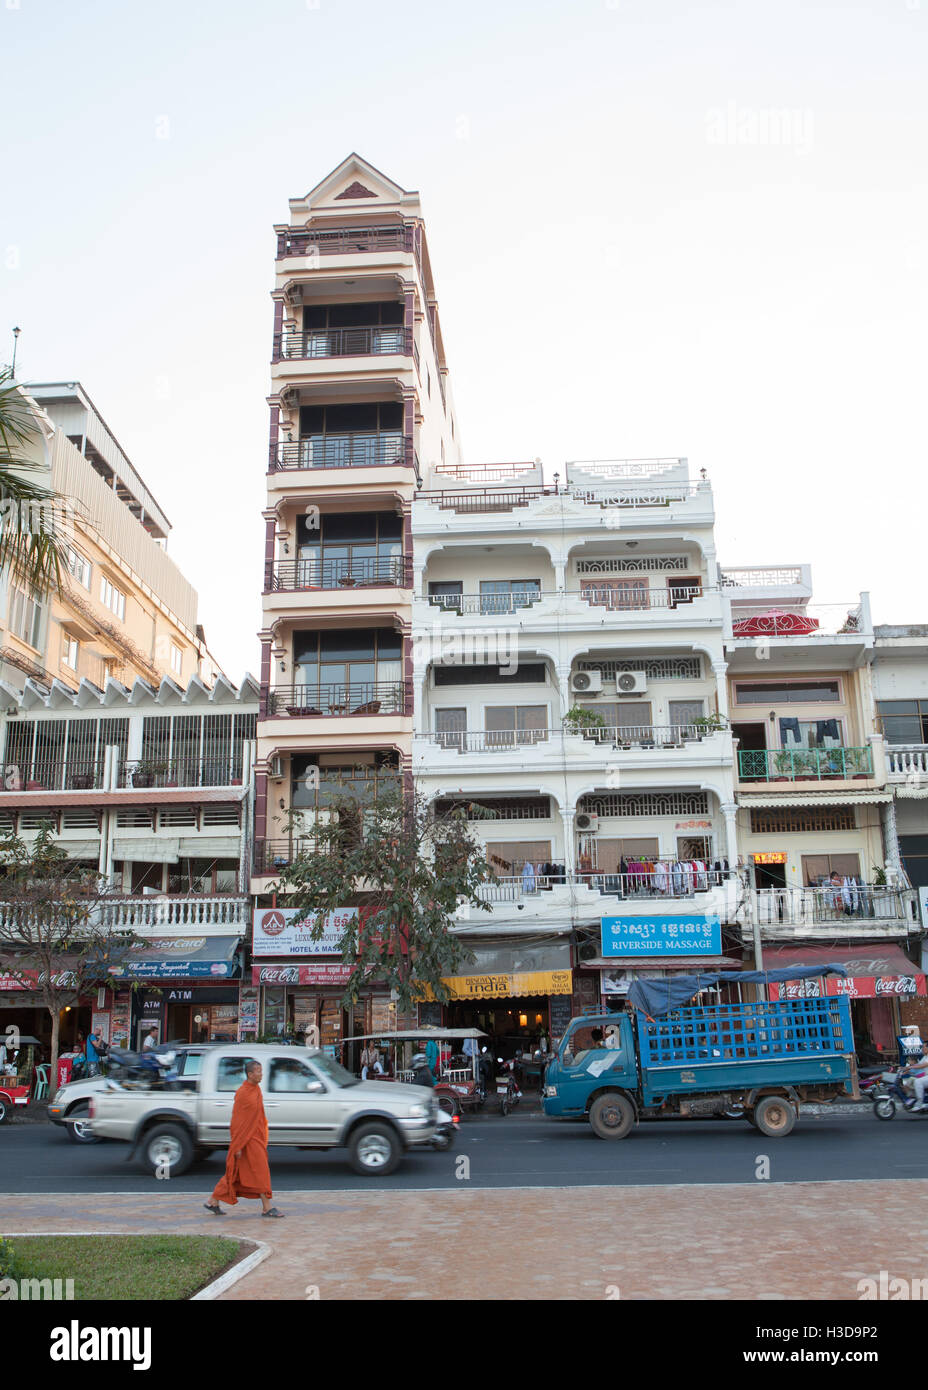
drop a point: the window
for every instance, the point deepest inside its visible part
(811, 733)
(79, 566)
(177, 660)
(231, 1073)
(349, 670)
(903, 721)
(447, 593)
(789, 693)
(509, 726)
(112, 598)
(683, 712)
(476, 673)
(504, 595)
(818, 868)
(70, 652)
(291, 1075)
(361, 548)
(804, 818)
(25, 617)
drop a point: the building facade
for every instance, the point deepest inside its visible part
(125, 610)
(150, 789)
(360, 405)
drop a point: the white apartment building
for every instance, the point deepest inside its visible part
(569, 679)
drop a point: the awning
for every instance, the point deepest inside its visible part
(811, 798)
(184, 958)
(150, 850)
(212, 846)
(874, 971)
(507, 986)
(677, 963)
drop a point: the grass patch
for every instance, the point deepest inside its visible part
(152, 1268)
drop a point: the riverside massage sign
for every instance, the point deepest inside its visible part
(660, 935)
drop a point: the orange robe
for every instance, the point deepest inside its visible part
(248, 1176)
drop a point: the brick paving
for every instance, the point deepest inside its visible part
(759, 1241)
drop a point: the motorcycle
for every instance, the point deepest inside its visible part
(890, 1088)
(507, 1091)
(447, 1129)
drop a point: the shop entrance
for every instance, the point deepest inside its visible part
(513, 1025)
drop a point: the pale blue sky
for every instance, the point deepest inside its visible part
(635, 253)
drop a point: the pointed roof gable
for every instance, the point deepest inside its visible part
(354, 180)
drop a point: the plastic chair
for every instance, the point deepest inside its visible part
(41, 1082)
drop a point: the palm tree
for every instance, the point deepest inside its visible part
(32, 550)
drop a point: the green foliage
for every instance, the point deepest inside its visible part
(408, 869)
(32, 546)
(581, 717)
(7, 1261)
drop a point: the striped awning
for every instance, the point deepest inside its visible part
(811, 798)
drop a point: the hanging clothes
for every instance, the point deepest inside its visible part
(528, 878)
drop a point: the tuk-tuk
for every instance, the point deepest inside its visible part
(16, 1077)
(458, 1083)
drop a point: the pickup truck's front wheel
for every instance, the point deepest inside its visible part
(774, 1116)
(612, 1116)
(374, 1150)
(167, 1150)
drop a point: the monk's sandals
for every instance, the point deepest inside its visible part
(272, 1211)
(217, 1211)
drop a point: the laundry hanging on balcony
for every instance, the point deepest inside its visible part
(775, 623)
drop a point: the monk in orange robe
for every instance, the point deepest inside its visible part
(247, 1173)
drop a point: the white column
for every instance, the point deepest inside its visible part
(730, 811)
(719, 669)
(563, 689)
(567, 817)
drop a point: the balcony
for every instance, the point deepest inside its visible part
(626, 598)
(360, 450)
(154, 772)
(637, 887)
(908, 763)
(346, 241)
(840, 907)
(666, 751)
(805, 764)
(368, 572)
(38, 776)
(169, 914)
(356, 698)
(374, 341)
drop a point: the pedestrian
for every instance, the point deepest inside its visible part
(92, 1053)
(150, 1040)
(247, 1173)
(431, 1053)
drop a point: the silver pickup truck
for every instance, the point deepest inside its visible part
(310, 1100)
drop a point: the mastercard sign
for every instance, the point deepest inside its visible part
(283, 931)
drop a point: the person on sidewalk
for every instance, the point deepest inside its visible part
(247, 1173)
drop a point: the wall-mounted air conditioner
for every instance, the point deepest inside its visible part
(586, 682)
(587, 822)
(631, 682)
(276, 768)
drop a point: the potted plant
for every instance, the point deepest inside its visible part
(82, 781)
(146, 772)
(581, 719)
(858, 763)
(707, 724)
(785, 765)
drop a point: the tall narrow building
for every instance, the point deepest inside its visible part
(360, 409)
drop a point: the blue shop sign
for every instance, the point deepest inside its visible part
(663, 934)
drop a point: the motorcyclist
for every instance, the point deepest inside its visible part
(422, 1075)
(914, 1065)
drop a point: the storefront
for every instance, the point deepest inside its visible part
(23, 1008)
(516, 994)
(885, 988)
(190, 991)
(655, 945)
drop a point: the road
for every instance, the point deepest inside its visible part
(520, 1151)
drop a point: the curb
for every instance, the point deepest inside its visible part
(225, 1281)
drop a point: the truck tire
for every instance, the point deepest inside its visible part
(167, 1149)
(774, 1116)
(612, 1116)
(79, 1131)
(374, 1150)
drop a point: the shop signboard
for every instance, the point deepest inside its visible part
(856, 986)
(285, 931)
(321, 974)
(247, 1012)
(560, 1012)
(662, 935)
(507, 985)
(119, 1020)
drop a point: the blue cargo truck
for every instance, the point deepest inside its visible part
(664, 1059)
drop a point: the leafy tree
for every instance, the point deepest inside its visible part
(408, 867)
(56, 936)
(32, 549)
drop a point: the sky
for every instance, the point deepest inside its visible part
(658, 228)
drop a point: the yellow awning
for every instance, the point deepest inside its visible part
(506, 986)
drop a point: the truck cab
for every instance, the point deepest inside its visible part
(596, 1054)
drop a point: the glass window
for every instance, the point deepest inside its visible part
(811, 733)
(231, 1073)
(79, 566)
(70, 652)
(290, 1074)
(476, 673)
(25, 617)
(817, 869)
(516, 724)
(177, 660)
(789, 693)
(503, 595)
(112, 598)
(903, 721)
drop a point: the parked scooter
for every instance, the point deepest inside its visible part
(507, 1091)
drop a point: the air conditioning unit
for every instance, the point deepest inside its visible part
(276, 768)
(586, 682)
(631, 682)
(587, 822)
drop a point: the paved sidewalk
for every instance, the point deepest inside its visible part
(756, 1241)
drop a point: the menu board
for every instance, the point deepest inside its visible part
(560, 1012)
(330, 1023)
(248, 1013)
(383, 1014)
(100, 1023)
(430, 1015)
(304, 1011)
(119, 1019)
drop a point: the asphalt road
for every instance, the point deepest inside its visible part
(517, 1151)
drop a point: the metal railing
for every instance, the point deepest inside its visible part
(804, 764)
(488, 741)
(628, 736)
(345, 241)
(274, 856)
(146, 773)
(369, 449)
(485, 499)
(841, 903)
(626, 468)
(369, 571)
(506, 497)
(372, 341)
(356, 697)
(619, 737)
(621, 598)
(38, 775)
(652, 887)
(487, 603)
(486, 472)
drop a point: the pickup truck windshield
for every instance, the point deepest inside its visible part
(334, 1071)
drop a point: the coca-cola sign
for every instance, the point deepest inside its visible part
(318, 974)
(902, 984)
(278, 974)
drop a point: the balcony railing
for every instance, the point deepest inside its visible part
(489, 740)
(771, 577)
(345, 241)
(624, 736)
(156, 772)
(154, 913)
(908, 761)
(642, 887)
(619, 598)
(635, 495)
(487, 603)
(506, 498)
(356, 697)
(373, 341)
(804, 764)
(38, 775)
(485, 499)
(368, 572)
(626, 468)
(646, 736)
(841, 904)
(354, 450)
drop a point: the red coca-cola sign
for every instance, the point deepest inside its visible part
(334, 974)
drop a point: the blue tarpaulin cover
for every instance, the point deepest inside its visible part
(654, 997)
